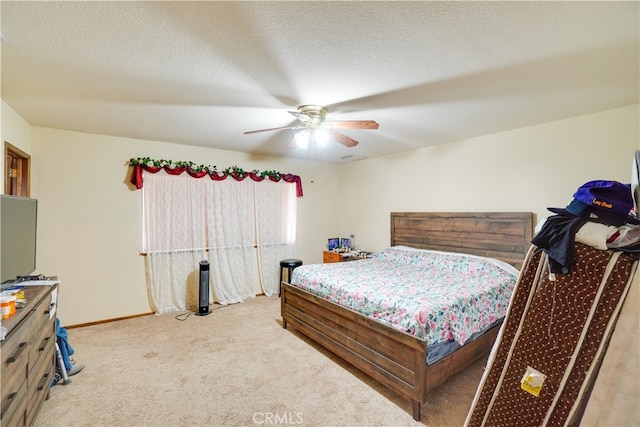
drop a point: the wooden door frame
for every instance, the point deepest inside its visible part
(21, 172)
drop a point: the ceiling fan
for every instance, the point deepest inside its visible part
(312, 119)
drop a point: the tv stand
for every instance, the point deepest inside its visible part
(28, 356)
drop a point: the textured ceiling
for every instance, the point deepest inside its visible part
(202, 73)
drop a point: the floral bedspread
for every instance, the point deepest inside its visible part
(435, 296)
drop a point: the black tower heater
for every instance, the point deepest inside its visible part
(203, 298)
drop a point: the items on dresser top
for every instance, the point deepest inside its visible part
(333, 256)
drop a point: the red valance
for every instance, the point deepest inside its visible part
(136, 175)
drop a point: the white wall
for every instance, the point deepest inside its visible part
(89, 230)
(90, 219)
(526, 169)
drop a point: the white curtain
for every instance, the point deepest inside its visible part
(275, 231)
(242, 228)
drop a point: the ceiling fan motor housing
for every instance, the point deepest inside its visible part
(315, 112)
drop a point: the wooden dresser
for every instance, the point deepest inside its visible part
(28, 356)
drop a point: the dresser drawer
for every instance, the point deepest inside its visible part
(15, 359)
(14, 408)
(328, 256)
(42, 317)
(40, 378)
(40, 344)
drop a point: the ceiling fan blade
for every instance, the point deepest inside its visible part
(352, 124)
(343, 139)
(292, 144)
(270, 129)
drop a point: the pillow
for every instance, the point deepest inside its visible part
(418, 257)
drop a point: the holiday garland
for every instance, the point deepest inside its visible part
(150, 165)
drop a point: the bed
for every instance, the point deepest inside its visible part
(395, 357)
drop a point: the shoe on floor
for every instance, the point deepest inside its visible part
(75, 369)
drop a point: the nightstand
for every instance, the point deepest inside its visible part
(330, 256)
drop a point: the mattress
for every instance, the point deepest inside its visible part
(445, 299)
(554, 336)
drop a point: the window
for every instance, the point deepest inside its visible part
(243, 228)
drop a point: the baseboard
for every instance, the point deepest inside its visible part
(82, 325)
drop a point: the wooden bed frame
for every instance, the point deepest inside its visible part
(395, 358)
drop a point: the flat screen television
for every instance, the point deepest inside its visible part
(18, 223)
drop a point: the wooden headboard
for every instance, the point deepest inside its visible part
(502, 235)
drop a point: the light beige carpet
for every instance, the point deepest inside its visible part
(234, 367)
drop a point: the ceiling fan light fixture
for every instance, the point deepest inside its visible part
(321, 137)
(302, 138)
